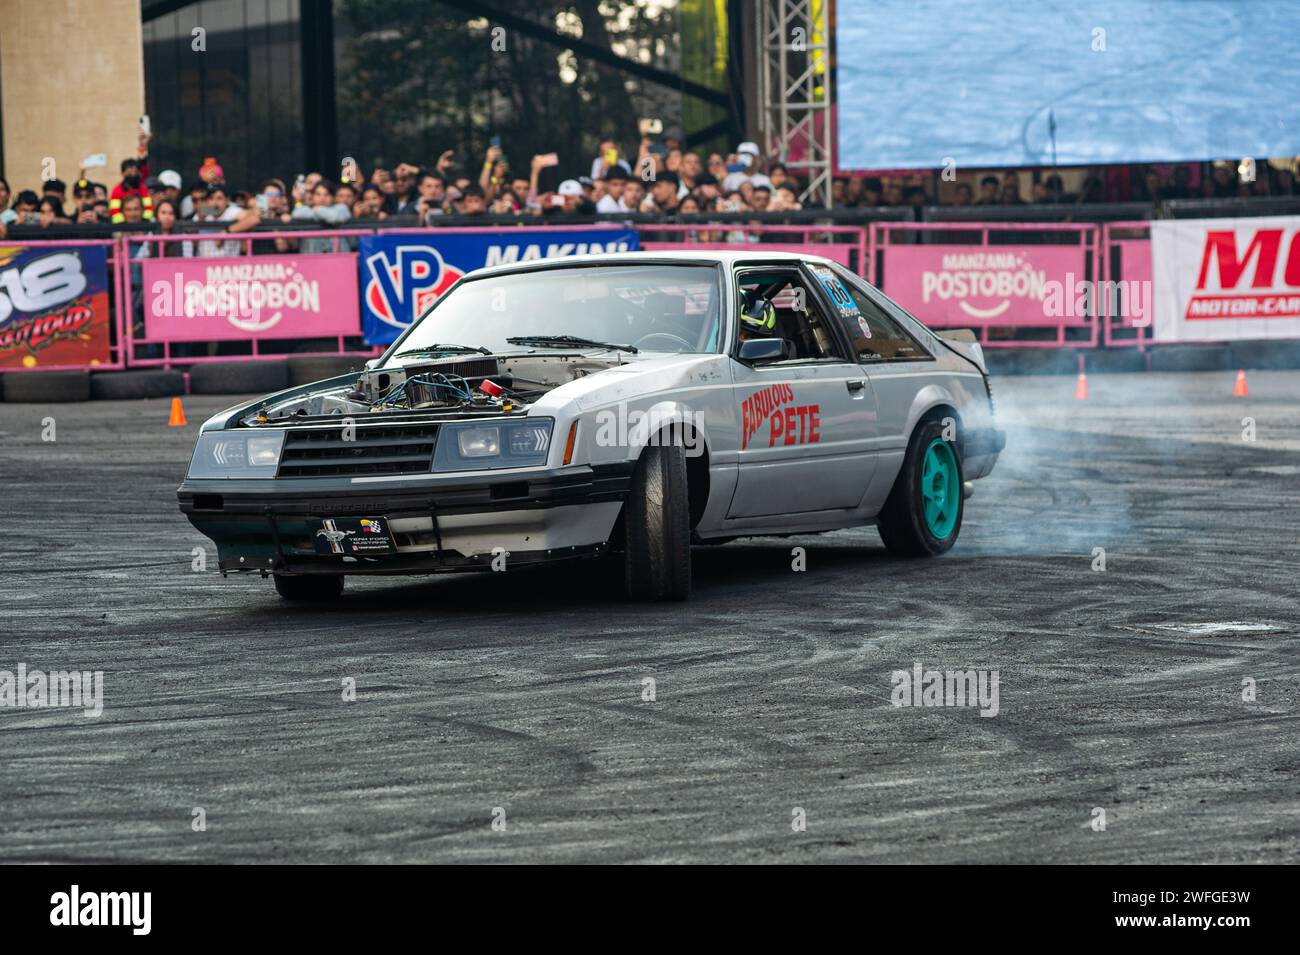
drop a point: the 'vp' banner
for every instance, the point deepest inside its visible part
(402, 275)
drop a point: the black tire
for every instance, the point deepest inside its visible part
(126, 385)
(39, 387)
(304, 370)
(310, 588)
(657, 527)
(901, 522)
(238, 377)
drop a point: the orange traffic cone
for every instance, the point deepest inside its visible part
(1081, 389)
(1241, 389)
(177, 419)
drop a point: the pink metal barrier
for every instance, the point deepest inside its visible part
(1022, 284)
(56, 331)
(1013, 293)
(204, 302)
(848, 245)
(1126, 305)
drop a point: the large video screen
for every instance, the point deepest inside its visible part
(1073, 82)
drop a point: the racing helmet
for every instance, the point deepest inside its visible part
(759, 317)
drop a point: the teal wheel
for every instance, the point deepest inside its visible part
(922, 515)
(940, 488)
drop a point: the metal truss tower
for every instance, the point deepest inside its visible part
(794, 89)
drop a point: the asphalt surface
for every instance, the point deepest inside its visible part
(1119, 689)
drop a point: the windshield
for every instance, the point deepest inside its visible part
(653, 308)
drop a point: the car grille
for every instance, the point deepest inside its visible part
(323, 452)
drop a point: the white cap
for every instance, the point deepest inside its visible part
(570, 187)
(170, 178)
(751, 148)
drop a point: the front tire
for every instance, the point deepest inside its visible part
(310, 588)
(923, 513)
(657, 527)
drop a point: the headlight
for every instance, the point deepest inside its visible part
(229, 454)
(503, 444)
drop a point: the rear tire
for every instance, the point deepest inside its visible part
(310, 588)
(923, 513)
(657, 526)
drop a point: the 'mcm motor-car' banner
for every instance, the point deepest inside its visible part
(247, 297)
(1226, 279)
(53, 305)
(974, 285)
(402, 274)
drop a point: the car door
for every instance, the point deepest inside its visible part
(898, 366)
(897, 363)
(806, 421)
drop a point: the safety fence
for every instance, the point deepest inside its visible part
(147, 300)
(1012, 283)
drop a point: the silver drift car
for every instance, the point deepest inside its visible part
(628, 404)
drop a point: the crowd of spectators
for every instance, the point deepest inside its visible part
(661, 177)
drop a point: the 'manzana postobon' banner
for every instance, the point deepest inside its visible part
(1226, 279)
(402, 275)
(53, 305)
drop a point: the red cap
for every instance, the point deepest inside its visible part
(490, 387)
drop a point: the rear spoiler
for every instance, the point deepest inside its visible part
(964, 343)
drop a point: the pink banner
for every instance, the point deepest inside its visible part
(835, 251)
(250, 297)
(975, 285)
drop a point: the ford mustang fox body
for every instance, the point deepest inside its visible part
(630, 404)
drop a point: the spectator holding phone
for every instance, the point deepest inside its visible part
(540, 162)
(373, 204)
(495, 170)
(83, 202)
(607, 160)
(50, 212)
(433, 193)
(325, 209)
(25, 208)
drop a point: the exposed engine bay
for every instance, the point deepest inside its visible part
(487, 384)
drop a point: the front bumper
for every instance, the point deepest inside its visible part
(439, 522)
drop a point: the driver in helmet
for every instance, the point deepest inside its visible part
(757, 318)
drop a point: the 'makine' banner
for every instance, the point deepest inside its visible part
(402, 274)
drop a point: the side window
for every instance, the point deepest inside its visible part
(800, 320)
(876, 336)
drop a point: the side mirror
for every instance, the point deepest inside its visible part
(370, 364)
(755, 350)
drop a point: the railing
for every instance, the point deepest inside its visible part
(1015, 268)
(1126, 307)
(996, 278)
(174, 324)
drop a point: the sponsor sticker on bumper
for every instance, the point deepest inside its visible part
(353, 536)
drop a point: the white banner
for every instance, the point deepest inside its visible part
(1226, 279)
